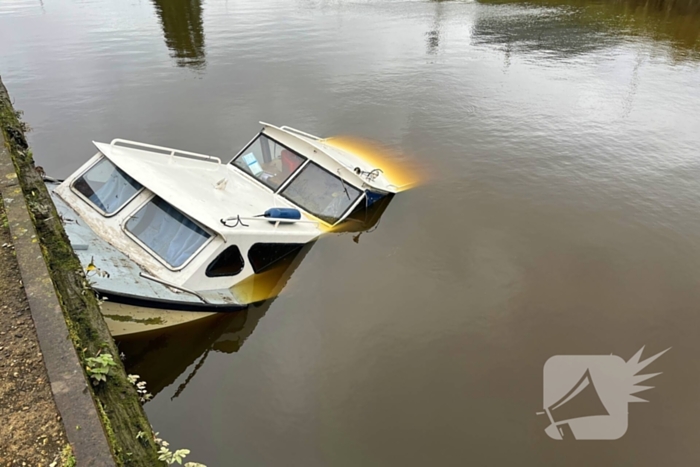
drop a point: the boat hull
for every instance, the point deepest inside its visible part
(164, 304)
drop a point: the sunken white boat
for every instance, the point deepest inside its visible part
(164, 228)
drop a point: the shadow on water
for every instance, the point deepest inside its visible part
(590, 25)
(183, 29)
(159, 357)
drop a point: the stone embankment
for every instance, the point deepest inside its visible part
(50, 323)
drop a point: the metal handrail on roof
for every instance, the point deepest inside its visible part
(173, 152)
(289, 129)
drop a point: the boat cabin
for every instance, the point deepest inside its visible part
(159, 224)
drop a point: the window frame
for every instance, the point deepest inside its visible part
(344, 214)
(89, 202)
(294, 175)
(253, 177)
(212, 235)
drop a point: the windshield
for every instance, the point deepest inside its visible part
(106, 186)
(167, 232)
(323, 194)
(268, 161)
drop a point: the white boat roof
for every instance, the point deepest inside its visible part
(187, 180)
(189, 185)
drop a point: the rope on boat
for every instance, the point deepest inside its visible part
(237, 219)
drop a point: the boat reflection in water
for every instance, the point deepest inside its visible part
(160, 356)
(175, 341)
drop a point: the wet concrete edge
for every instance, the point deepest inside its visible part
(68, 383)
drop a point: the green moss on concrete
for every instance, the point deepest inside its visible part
(117, 401)
(67, 458)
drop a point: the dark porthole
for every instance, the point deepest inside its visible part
(228, 263)
(264, 255)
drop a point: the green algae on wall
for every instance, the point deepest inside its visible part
(123, 417)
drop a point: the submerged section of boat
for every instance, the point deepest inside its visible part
(176, 230)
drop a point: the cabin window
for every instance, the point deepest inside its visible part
(268, 161)
(264, 255)
(106, 186)
(323, 194)
(167, 232)
(228, 263)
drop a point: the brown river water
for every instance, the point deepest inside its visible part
(559, 215)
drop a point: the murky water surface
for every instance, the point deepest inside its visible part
(561, 215)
